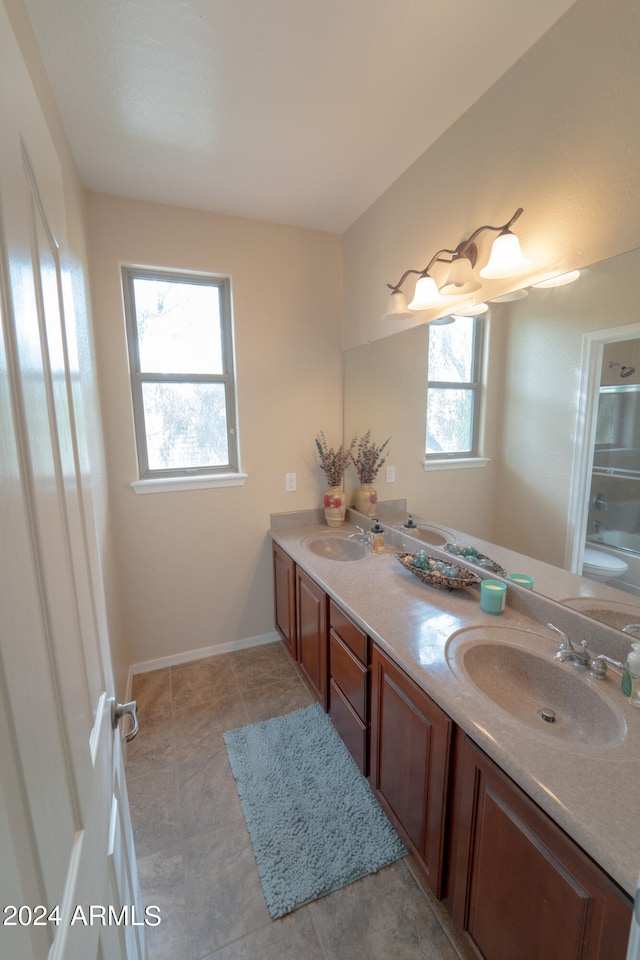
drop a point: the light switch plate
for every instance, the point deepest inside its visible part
(290, 482)
(391, 474)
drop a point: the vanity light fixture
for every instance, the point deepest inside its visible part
(398, 307)
(426, 293)
(559, 281)
(460, 279)
(442, 321)
(475, 310)
(506, 260)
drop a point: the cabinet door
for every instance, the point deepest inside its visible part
(522, 887)
(312, 638)
(284, 586)
(410, 750)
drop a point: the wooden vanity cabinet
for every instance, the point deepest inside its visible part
(410, 757)
(517, 886)
(311, 634)
(284, 588)
(349, 657)
(521, 887)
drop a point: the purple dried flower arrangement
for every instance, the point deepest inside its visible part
(368, 459)
(333, 462)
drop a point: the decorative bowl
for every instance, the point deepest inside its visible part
(463, 578)
(478, 558)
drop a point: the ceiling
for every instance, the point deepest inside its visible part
(294, 111)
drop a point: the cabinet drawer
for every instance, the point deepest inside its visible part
(349, 675)
(352, 730)
(355, 638)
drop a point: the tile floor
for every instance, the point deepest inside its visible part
(194, 854)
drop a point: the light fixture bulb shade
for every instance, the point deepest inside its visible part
(508, 297)
(475, 310)
(460, 279)
(425, 295)
(397, 309)
(507, 259)
(558, 281)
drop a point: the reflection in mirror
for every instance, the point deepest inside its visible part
(543, 463)
(612, 547)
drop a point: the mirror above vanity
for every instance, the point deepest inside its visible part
(536, 492)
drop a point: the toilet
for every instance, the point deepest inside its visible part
(602, 566)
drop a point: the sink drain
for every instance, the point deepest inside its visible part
(547, 714)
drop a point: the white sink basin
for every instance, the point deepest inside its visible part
(616, 614)
(337, 548)
(527, 684)
(429, 533)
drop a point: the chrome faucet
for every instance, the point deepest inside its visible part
(359, 535)
(599, 666)
(567, 651)
(632, 628)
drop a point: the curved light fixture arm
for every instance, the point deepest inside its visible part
(465, 249)
(436, 258)
(469, 244)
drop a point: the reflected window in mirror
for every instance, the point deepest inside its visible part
(453, 389)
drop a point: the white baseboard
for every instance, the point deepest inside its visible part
(175, 659)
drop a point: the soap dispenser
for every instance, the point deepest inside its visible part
(377, 537)
(631, 676)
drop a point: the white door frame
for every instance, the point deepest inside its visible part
(593, 345)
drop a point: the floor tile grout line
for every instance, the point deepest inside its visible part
(317, 933)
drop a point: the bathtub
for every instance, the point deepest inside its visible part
(618, 538)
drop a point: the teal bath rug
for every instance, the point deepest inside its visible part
(314, 822)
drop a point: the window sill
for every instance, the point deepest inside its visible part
(463, 462)
(170, 484)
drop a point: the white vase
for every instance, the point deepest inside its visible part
(335, 506)
(366, 499)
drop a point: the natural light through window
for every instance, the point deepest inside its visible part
(178, 327)
(180, 347)
(453, 388)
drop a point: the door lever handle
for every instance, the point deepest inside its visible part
(120, 710)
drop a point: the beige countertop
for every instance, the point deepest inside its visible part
(592, 792)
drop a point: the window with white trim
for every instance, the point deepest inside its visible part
(180, 338)
(453, 389)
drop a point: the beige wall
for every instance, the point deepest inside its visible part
(559, 135)
(195, 566)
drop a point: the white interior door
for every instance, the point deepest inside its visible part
(68, 886)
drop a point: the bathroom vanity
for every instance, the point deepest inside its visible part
(523, 829)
